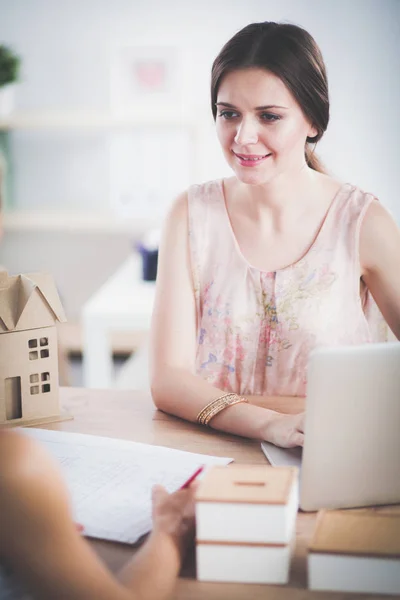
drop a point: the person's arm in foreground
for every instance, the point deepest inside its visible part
(41, 544)
(380, 262)
(175, 387)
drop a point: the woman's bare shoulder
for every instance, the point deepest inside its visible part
(22, 460)
(14, 447)
(178, 213)
(326, 185)
(178, 207)
(379, 239)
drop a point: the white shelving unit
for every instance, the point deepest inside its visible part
(86, 121)
(78, 119)
(57, 221)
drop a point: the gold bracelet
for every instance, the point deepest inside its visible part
(209, 406)
(216, 406)
(220, 406)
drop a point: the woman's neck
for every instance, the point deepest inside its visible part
(292, 193)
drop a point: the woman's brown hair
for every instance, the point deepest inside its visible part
(290, 53)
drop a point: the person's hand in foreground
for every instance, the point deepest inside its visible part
(42, 545)
(173, 515)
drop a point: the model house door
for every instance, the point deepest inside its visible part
(13, 398)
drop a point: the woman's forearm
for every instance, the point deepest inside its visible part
(184, 394)
(153, 571)
(290, 405)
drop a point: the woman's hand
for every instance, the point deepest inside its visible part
(286, 431)
(173, 514)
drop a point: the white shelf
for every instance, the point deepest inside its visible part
(51, 221)
(94, 120)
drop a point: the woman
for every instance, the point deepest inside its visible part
(43, 550)
(257, 270)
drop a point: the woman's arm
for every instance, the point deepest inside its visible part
(41, 544)
(288, 405)
(380, 262)
(175, 387)
(153, 571)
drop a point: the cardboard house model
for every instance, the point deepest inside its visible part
(29, 309)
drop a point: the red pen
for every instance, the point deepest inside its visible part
(192, 478)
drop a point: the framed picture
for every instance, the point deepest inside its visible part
(143, 76)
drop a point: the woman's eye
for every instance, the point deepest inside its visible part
(228, 114)
(269, 117)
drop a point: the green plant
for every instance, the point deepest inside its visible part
(9, 66)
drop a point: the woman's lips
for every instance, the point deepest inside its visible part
(251, 160)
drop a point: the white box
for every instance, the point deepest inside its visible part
(355, 552)
(247, 503)
(258, 563)
(245, 523)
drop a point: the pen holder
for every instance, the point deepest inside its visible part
(149, 263)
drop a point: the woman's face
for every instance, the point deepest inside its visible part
(260, 126)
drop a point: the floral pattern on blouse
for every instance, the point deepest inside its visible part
(256, 329)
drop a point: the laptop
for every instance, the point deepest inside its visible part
(351, 452)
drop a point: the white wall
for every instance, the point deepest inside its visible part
(65, 47)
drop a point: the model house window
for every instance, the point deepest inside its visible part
(34, 378)
(33, 355)
(45, 386)
(44, 351)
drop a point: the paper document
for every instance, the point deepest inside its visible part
(110, 480)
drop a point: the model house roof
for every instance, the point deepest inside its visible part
(28, 302)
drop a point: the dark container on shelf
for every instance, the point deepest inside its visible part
(149, 262)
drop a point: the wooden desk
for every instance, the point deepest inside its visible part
(132, 416)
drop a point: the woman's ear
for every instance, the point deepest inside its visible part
(312, 132)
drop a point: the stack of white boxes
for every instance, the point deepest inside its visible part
(356, 551)
(245, 523)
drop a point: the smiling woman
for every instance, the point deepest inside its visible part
(257, 270)
(286, 52)
(276, 131)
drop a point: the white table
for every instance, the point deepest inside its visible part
(124, 302)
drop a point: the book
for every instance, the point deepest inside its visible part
(355, 551)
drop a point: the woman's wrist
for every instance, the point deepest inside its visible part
(173, 544)
(268, 424)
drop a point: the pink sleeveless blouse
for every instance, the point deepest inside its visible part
(255, 329)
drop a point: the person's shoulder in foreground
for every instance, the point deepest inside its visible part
(41, 545)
